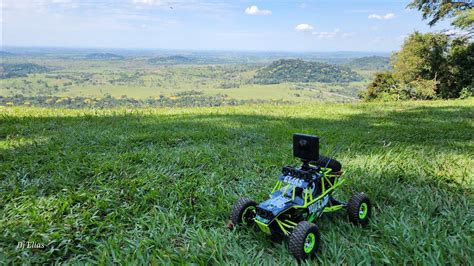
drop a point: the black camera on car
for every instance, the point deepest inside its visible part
(306, 147)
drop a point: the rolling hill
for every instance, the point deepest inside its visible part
(172, 59)
(20, 70)
(296, 70)
(377, 63)
(4, 53)
(103, 56)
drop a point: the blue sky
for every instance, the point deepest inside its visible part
(281, 25)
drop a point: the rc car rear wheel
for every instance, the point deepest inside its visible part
(329, 162)
(359, 209)
(304, 240)
(243, 212)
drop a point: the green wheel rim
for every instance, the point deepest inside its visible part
(363, 210)
(247, 212)
(309, 243)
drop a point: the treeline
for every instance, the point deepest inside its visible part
(20, 70)
(104, 56)
(4, 53)
(173, 59)
(297, 70)
(191, 99)
(431, 65)
(369, 63)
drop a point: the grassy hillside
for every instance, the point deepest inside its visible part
(156, 185)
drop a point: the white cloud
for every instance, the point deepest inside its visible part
(254, 10)
(24, 4)
(15, 7)
(148, 2)
(38, 6)
(304, 27)
(197, 5)
(61, 1)
(348, 34)
(336, 33)
(325, 34)
(382, 17)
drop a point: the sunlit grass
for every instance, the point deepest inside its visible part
(156, 185)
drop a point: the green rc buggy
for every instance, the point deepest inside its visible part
(300, 196)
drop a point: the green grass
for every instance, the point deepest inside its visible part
(157, 185)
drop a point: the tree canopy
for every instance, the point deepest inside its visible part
(436, 10)
(431, 65)
(423, 55)
(428, 66)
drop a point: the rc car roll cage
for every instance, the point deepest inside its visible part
(309, 196)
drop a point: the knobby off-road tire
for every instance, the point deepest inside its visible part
(243, 212)
(359, 209)
(304, 240)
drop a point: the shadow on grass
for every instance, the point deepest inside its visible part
(88, 177)
(71, 149)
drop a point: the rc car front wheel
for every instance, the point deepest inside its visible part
(304, 240)
(359, 209)
(243, 212)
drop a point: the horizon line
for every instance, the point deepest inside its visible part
(3, 47)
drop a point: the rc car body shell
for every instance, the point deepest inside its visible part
(295, 199)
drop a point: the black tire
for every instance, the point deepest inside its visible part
(243, 212)
(328, 162)
(358, 214)
(298, 242)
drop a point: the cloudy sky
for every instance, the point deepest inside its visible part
(278, 25)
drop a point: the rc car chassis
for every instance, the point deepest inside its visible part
(299, 197)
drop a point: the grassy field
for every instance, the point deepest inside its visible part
(137, 79)
(157, 185)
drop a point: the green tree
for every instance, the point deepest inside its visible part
(428, 66)
(465, 21)
(436, 10)
(423, 57)
(461, 66)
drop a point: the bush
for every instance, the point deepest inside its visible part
(423, 89)
(383, 86)
(466, 93)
